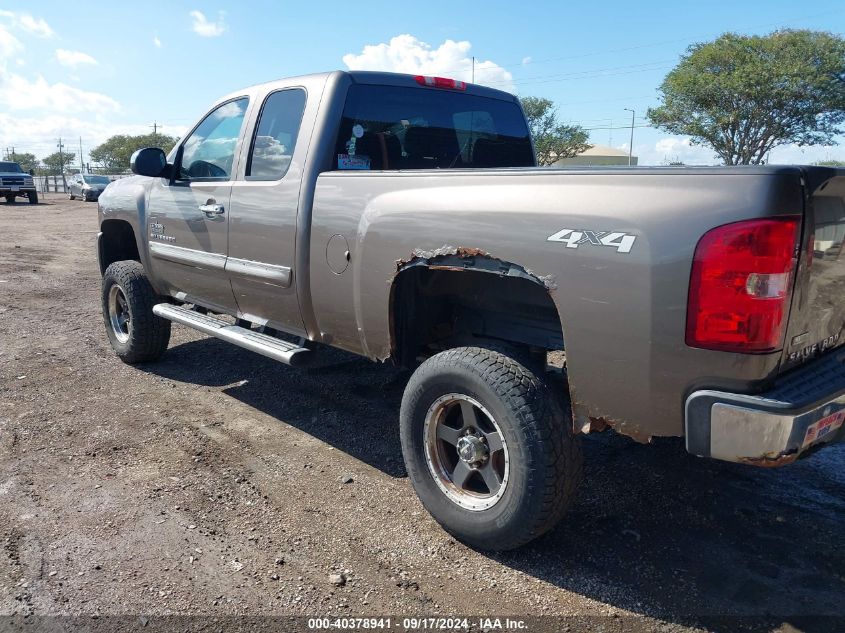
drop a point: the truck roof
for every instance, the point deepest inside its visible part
(365, 77)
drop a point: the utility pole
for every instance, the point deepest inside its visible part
(631, 146)
(473, 69)
(155, 131)
(60, 145)
(81, 164)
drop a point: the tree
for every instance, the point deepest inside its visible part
(552, 139)
(745, 95)
(26, 160)
(113, 155)
(55, 163)
(830, 163)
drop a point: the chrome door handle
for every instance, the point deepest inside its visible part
(211, 210)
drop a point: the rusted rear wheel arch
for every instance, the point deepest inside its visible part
(439, 300)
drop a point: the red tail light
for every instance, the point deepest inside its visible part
(740, 285)
(440, 82)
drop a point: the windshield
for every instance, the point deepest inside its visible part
(391, 127)
(96, 180)
(10, 167)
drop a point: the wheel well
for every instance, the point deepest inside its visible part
(435, 308)
(117, 243)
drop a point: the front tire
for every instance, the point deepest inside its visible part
(488, 448)
(33, 197)
(135, 333)
(70, 196)
(10, 199)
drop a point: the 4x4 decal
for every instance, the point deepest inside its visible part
(573, 238)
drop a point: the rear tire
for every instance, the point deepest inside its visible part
(135, 333)
(33, 197)
(10, 199)
(517, 428)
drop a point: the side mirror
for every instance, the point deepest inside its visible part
(149, 161)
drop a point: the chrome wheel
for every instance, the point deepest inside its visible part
(119, 316)
(466, 452)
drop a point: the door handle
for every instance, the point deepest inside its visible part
(211, 209)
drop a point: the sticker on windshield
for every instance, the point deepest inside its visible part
(345, 161)
(358, 130)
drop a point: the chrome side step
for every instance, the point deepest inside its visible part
(265, 345)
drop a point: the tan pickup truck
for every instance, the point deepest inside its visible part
(404, 219)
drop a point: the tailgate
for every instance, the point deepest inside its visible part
(818, 305)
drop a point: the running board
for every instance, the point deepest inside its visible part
(265, 345)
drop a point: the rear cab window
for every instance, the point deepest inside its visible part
(397, 127)
(275, 135)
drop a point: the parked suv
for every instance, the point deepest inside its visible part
(14, 181)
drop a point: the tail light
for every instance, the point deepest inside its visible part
(440, 82)
(740, 285)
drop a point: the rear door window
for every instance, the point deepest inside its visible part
(396, 127)
(275, 135)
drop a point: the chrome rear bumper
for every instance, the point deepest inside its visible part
(805, 409)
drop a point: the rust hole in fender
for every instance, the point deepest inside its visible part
(468, 258)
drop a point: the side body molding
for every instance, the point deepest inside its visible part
(188, 256)
(259, 271)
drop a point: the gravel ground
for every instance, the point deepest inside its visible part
(217, 482)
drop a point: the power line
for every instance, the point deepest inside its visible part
(624, 49)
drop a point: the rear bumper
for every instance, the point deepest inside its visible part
(804, 410)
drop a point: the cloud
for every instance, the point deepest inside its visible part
(406, 54)
(680, 148)
(156, 41)
(72, 59)
(526, 60)
(202, 27)
(795, 155)
(37, 27)
(676, 148)
(38, 134)
(24, 21)
(9, 44)
(19, 93)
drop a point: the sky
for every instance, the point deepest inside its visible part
(87, 70)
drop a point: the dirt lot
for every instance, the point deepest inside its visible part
(212, 483)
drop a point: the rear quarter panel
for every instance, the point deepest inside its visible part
(623, 314)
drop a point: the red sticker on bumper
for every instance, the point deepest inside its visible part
(823, 428)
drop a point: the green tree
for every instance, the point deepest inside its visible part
(55, 163)
(745, 95)
(113, 155)
(26, 160)
(552, 139)
(830, 163)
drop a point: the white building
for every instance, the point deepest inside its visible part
(598, 155)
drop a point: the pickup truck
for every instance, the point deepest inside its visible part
(14, 182)
(404, 219)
